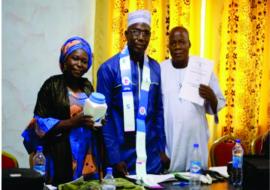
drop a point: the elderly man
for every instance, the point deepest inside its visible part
(134, 133)
(185, 121)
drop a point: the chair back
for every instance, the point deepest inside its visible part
(258, 143)
(221, 151)
(9, 161)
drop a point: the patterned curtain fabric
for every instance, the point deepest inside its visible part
(236, 37)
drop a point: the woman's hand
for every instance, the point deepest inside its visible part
(77, 120)
(81, 119)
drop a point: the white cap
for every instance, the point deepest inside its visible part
(139, 16)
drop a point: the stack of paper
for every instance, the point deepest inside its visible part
(152, 180)
(222, 170)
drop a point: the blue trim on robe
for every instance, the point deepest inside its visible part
(78, 137)
(46, 124)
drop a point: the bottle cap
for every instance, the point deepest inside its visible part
(109, 170)
(196, 145)
(97, 98)
(39, 148)
(237, 140)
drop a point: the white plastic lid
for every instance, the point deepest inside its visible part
(97, 98)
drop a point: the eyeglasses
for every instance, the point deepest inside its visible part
(137, 32)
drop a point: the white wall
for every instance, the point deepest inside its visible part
(32, 34)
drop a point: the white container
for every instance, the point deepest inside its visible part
(95, 106)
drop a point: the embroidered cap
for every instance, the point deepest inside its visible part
(139, 16)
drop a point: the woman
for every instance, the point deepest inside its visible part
(59, 124)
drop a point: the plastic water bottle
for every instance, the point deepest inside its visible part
(195, 168)
(108, 182)
(95, 106)
(39, 161)
(237, 164)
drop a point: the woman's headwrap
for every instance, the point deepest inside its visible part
(73, 44)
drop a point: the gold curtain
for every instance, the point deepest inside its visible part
(236, 37)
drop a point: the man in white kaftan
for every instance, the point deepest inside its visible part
(185, 122)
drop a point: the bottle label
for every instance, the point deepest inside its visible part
(237, 162)
(195, 167)
(40, 169)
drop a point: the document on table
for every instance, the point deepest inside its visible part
(198, 72)
(152, 180)
(222, 170)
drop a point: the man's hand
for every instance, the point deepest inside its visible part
(103, 121)
(207, 93)
(121, 169)
(165, 160)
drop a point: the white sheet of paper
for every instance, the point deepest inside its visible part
(152, 180)
(198, 72)
(222, 170)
